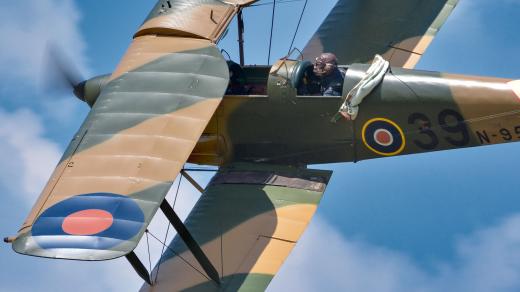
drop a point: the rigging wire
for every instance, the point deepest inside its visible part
(269, 3)
(149, 256)
(297, 27)
(178, 255)
(168, 229)
(271, 36)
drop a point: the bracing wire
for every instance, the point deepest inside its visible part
(178, 255)
(167, 229)
(269, 3)
(149, 255)
(297, 27)
(271, 35)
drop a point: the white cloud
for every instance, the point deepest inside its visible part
(324, 260)
(28, 155)
(28, 160)
(488, 260)
(26, 30)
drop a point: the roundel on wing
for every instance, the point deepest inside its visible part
(90, 221)
(383, 137)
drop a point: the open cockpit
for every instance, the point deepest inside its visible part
(286, 78)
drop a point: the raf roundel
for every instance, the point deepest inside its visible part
(383, 137)
(90, 221)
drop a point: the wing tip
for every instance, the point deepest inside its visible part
(27, 245)
(9, 239)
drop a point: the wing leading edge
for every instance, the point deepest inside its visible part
(118, 168)
(132, 145)
(247, 221)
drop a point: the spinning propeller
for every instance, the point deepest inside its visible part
(61, 75)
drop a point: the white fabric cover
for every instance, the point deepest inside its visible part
(375, 74)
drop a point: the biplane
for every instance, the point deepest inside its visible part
(167, 104)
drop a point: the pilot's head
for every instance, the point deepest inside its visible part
(325, 64)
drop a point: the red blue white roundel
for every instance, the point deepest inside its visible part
(383, 137)
(90, 221)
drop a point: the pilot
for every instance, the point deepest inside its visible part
(330, 76)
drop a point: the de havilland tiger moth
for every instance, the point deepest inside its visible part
(351, 94)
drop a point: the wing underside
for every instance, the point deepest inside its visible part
(140, 132)
(120, 165)
(400, 30)
(247, 221)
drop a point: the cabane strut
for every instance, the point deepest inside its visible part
(240, 21)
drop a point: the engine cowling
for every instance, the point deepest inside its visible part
(89, 90)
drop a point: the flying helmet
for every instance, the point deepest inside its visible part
(325, 64)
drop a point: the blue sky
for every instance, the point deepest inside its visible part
(446, 221)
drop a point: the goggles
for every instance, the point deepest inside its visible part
(322, 64)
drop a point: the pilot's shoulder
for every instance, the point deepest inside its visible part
(342, 71)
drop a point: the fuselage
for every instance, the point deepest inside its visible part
(434, 111)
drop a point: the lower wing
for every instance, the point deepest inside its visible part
(247, 221)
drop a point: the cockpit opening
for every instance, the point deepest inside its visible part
(288, 78)
(247, 80)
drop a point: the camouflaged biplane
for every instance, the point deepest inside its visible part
(165, 106)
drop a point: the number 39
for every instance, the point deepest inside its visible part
(449, 121)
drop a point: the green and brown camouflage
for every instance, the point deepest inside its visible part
(89, 90)
(262, 211)
(399, 30)
(434, 111)
(164, 105)
(141, 129)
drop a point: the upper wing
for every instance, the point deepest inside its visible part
(140, 132)
(196, 18)
(247, 222)
(400, 30)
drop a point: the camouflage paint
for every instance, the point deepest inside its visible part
(246, 227)
(400, 30)
(140, 132)
(89, 90)
(515, 85)
(206, 19)
(289, 129)
(159, 101)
